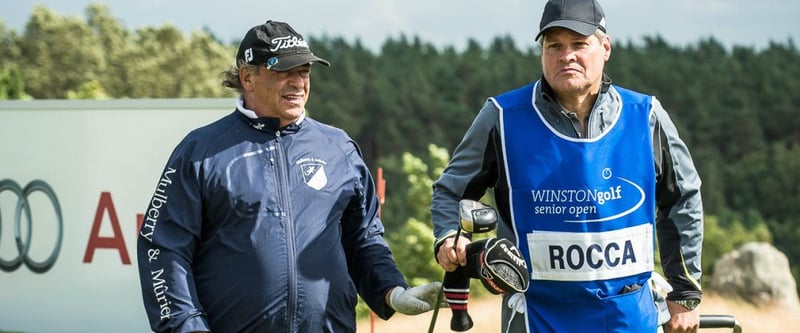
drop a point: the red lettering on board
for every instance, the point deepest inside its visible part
(114, 242)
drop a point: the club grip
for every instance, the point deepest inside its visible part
(720, 321)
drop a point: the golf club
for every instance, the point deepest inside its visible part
(474, 217)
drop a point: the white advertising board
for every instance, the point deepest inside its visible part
(75, 179)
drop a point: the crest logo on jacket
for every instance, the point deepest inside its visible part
(313, 172)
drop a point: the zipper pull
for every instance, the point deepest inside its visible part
(271, 154)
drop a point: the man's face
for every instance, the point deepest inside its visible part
(281, 95)
(572, 63)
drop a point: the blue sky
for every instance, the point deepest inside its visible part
(749, 23)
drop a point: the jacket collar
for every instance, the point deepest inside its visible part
(265, 124)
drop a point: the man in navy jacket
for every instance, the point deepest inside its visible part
(267, 220)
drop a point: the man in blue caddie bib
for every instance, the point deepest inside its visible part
(586, 175)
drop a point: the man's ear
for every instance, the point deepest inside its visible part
(246, 76)
(607, 46)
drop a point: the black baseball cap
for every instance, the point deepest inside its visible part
(277, 46)
(581, 16)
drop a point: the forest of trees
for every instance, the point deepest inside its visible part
(409, 103)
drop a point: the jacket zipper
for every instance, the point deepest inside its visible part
(283, 199)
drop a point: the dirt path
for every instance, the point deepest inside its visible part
(486, 315)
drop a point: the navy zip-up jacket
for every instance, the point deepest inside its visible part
(255, 228)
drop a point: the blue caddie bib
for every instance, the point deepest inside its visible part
(583, 211)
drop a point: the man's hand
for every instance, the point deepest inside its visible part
(682, 320)
(415, 300)
(451, 255)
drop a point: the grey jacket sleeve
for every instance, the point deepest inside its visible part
(679, 220)
(471, 170)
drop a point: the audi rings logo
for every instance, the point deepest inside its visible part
(22, 213)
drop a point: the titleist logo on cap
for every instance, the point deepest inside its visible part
(287, 42)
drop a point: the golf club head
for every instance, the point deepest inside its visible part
(476, 217)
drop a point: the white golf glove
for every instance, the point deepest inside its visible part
(414, 301)
(517, 303)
